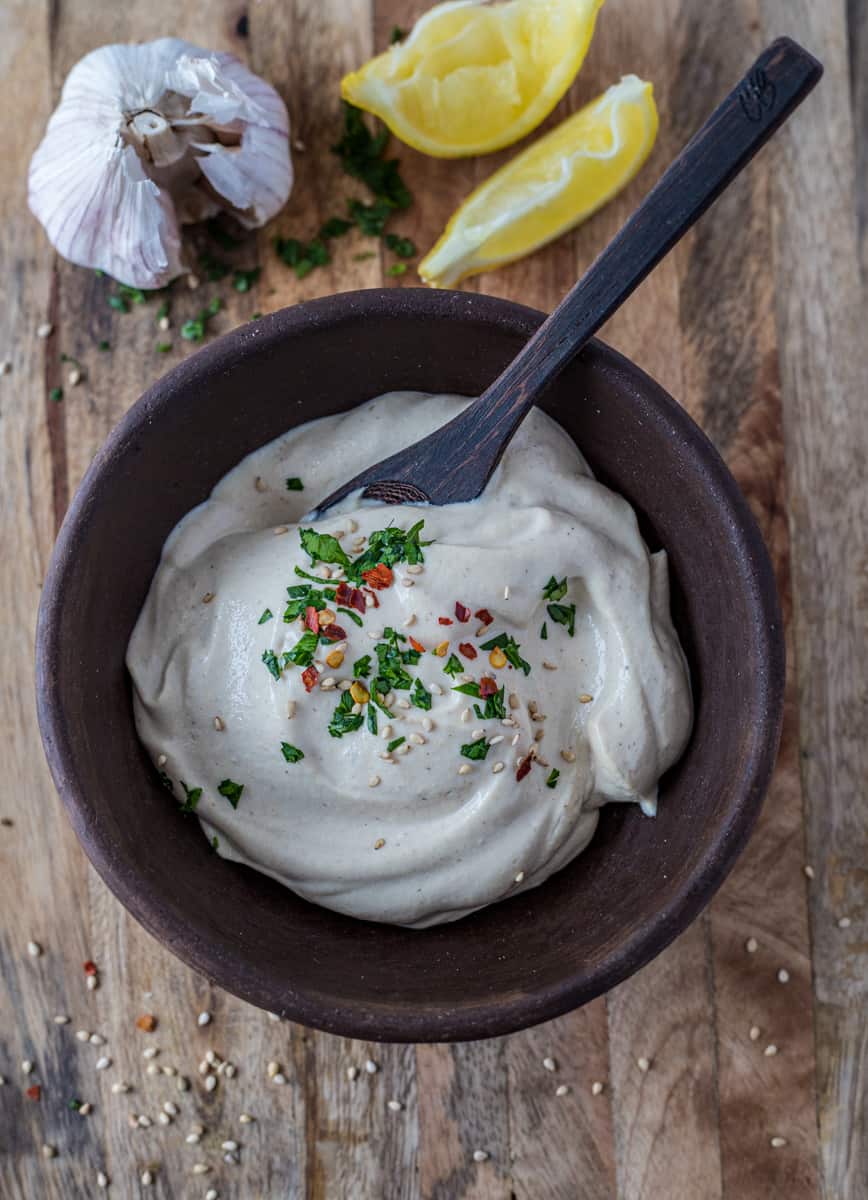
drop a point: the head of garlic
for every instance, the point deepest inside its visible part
(147, 138)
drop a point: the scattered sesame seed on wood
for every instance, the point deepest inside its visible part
(279, 1078)
(102, 1180)
(164, 1118)
(61, 1019)
(246, 1119)
(809, 871)
(844, 922)
(44, 330)
(751, 945)
(120, 1087)
(394, 1105)
(550, 1064)
(506, 592)
(27, 1066)
(436, 689)
(280, 530)
(374, 781)
(229, 1144)
(644, 1064)
(596, 1088)
(352, 1073)
(770, 1050)
(204, 1018)
(150, 1052)
(145, 1122)
(92, 983)
(200, 1168)
(162, 760)
(480, 1156)
(754, 1033)
(777, 1142)
(212, 1194)
(562, 1090)
(783, 975)
(49, 1151)
(34, 949)
(146, 1178)
(371, 1067)
(210, 1083)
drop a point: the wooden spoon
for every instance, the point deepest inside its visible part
(456, 461)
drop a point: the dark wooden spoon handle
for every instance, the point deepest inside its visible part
(456, 461)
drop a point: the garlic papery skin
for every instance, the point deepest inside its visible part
(147, 138)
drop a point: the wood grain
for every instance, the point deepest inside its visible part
(754, 323)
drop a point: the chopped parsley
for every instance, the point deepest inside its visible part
(304, 596)
(324, 548)
(563, 614)
(395, 743)
(192, 796)
(475, 750)
(103, 345)
(372, 719)
(231, 790)
(469, 689)
(194, 329)
(398, 268)
(494, 710)
(302, 256)
(270, 660)
(292, 754)
(56, 394)
(266, 616)
(390, 664)
(362, 667)
(166, 782)
(215, 843)
(243, 281)
(420, 696)
(510, 647)
(361, 155)
(352, 614)
(554, 590)
(74, 1104)
(544, 632)
(344, 720)
(294, 484)
(389, 546)
(214, 269)
(552, 781)
(402, 246)
(163, 311)
(301, 655)
(397, 35)
(454, 666)
(304, 575)
(334, 227)
(164, 347)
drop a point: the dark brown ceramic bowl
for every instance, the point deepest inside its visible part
(521, 961)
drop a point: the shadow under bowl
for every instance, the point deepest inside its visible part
(520, 961)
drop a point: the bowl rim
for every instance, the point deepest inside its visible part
(376, 1021)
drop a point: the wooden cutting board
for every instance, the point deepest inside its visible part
(756, 324)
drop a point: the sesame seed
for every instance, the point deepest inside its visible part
(84, 1109)
(163, 324)
(92, 983)
(373, 781)
(809, 871)
(228, 1069)
(403, 703)
(465, 714)
(405, 749)
(212, 1194)
(497, 768)
(208, 597)
(519, 877)
(477, 734)
(770, 1050)
(407, 583)
(48, 1151)
(229, 1144)
(231, 1158)
(183, 1084)
(246, 1119)
(351, 525)
(5, 366)
(260, 484)
(585, 698)
(290, 709)
(783, 975)
(480, 1155)
(643, 1063)
(279, 1078)
(506, 592)
(436, 689)
(44, 330)
(515, 740)
(144, 1122)
(550, 1064)
(146, 1178)
(357, 707)
(549, 666)
(415, 569)
(280, 530)
(210, 1083)
(151, 1052)
(539, 735)
(27, 1066)
(61, 1019)
(74, 377)
(170, 1107)
(379, 843)
(464, 769)
(777, 1142)
(34, 949)
(371, 1067)
(200, 1168)
(394, 1105)
(2, 1080)
(96, 1040)
(219, 724)
(386, 733)
(844, 922)
(411, 620)
(204, 1018)
(192, 282)
(193, 1139)
(164, 1118)
(562, 1090)
(352, 1073)
(596, 1088)
(328, 684)
(566, 755)
(751, 945)
(417, 739)
(102, 1180)
(754, 1033)
(162, 760)
(120, 1087)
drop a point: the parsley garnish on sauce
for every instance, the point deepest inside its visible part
(494, 710)
(301, 655)
(372, 719)
(402, 246)
(292, 754)
(544, 632)
(266, 616)
(243, 281)
(362, 667)
(454, 666)
(192, 796)
(294, 484)
(510, 648)
(194, 329)
(397, 35)
(420, 696)
(231, 790)
(324, 548)
(475, 750)
(395, 743)
(354, 616)
(563, 614)
(361, 155)
(552, 781)
(390, 664)
(344, 720)
(270, 660)
(554, 590)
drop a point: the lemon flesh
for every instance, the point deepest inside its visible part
(550, 187)
(472, 78)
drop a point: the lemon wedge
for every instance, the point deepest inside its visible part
(550, 187)
(473, 77)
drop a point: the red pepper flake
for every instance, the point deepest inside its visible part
(311, 618)
(417, 645)
(379, 576)
(309, 677)
(350, 597)
(462, 612)
(332, 633)
(90, 968)
(467, 650)
(523, 768)
(444, 621)
(34, 1091)
(484, 616)
(373, 596)
(487, 687)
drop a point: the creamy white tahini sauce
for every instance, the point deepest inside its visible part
(451, 842)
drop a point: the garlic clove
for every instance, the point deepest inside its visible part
(149, 137)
